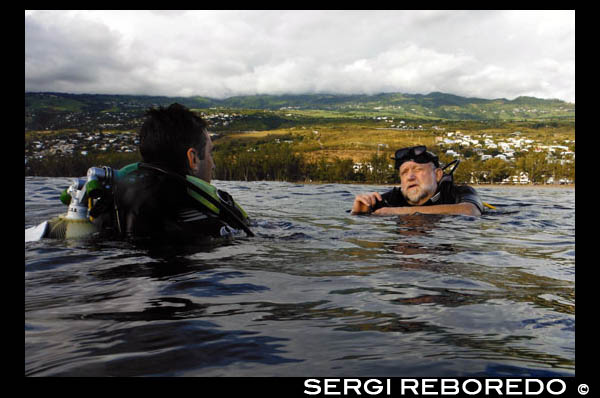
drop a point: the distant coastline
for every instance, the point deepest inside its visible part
(525, 186)
(522, 186)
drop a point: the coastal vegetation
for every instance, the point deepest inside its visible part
(317, 138)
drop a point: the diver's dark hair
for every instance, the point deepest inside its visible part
(168, 133)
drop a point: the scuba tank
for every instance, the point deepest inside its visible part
(89, 197)
(80, 197)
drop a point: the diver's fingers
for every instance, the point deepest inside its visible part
(373, 198)
(361, 204)
(365, 199)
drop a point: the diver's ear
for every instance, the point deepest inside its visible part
(439, 173)
(192, 158)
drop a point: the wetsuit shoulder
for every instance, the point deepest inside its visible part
(155, 205)
(466, 194)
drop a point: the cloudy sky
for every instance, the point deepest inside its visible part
(486, 54)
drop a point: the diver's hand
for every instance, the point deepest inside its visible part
(364, 203)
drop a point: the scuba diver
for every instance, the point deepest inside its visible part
(166, 197)
(424, 188)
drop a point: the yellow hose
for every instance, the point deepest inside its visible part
(90, 207)
(489, 206)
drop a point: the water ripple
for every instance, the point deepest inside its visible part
(317, 291)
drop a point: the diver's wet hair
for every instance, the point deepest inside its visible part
(167, 134)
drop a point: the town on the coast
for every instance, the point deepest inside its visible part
(515, 148)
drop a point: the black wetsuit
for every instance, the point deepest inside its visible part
(153, 205)
(447, 194)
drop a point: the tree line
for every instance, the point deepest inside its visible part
(76, 165)
(281, 162)
(535, 164)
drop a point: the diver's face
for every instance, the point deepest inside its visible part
(206, 165)
(418, 181)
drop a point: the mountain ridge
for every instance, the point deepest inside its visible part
(435, 105)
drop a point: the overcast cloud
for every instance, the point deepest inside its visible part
(486, 54)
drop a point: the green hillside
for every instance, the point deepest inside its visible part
(433, 106)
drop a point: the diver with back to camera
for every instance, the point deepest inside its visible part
(424, 188)
(167, 197)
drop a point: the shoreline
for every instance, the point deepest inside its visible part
(525, 186)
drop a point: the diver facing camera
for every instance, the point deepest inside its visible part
(424, 188)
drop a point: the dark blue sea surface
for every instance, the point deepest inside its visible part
(317, 292)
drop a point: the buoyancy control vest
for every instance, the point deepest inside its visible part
(144, 199)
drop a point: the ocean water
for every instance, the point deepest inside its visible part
(317, 292)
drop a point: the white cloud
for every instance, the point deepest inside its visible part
(488, 54)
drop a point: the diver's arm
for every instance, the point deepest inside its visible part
(464, 208)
